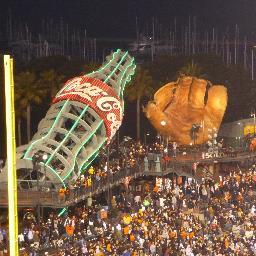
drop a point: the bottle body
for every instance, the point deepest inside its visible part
(84, 116)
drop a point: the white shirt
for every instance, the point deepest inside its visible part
(97, 249)
(21, 237)
(55, 223)
(84, 249)
(30, 235)
(137, 199)
(174, 200)
(141, 241)
(189, 251)
(152, 248)
(118, 227)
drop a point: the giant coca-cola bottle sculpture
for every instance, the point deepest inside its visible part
(84, 116)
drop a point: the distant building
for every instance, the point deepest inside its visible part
(235, 133)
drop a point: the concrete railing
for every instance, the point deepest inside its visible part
(50, 198)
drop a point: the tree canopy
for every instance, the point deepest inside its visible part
(39, 81)
(140, 86)
(27, 91)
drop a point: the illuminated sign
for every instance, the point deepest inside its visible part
(249, 129)
(98, 96)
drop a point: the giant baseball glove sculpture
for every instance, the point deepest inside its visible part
(179, 106)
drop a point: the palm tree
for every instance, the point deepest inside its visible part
(19, 114)
(90, 67)
(191, 69)
(51, 81)
(27, 91)
(139, 88)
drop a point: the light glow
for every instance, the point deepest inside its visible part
(108, 63)
(117, 66)
(73, 165)
(107, 106)
(121, 89)
(49, 132)
(62, 212)
(163, 123)
(70, 131)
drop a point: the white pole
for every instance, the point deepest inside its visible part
(235, 53)
(252, 65)
(245, 53)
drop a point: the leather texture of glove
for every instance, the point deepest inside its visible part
(186, 102)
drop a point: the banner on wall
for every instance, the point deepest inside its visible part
(249, 129)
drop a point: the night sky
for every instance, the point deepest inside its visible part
(112, 18)
(117, 18)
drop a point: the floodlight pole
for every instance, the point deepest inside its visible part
(11, 156)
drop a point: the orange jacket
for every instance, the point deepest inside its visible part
(126, 230)
(191, 235)
(70, 230)
(132, 238)
(183, 235)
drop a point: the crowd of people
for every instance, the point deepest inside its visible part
(211, 218)
(171, 217)
(131, 155)
(92, 178)
(128, 157)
